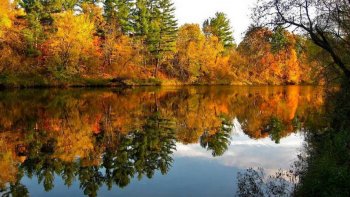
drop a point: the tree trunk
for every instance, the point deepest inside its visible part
(157, 67)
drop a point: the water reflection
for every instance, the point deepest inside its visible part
(108, 137)
(322, 167)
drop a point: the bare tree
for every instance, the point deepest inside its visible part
(326, 22)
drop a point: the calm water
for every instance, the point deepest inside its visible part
(148, 141)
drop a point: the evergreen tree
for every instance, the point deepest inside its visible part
(142, 17)
(219, 26)
(110, 10)
(33, 34)
(162, 32)
(156, 27)
(120, 12)
(43, 8)
(141, 24)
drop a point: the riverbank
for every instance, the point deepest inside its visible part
(38, 81)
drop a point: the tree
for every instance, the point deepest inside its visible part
(211, 54)
(189, 44)
(13, 56)
(199, 59)
(118, 54)
(325, 22)
(272, 56)
(219, 26)
(141, 23)
(71, 43)
(5, 20)
(256, 49)
(162, 29)
(43, 9)
(142, 17)
(120, 12)
(94, 13)
(33, 34)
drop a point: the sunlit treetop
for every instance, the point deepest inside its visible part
(219, 26)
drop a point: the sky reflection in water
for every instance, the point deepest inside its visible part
(257, 118)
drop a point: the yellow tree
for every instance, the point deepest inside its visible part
(71, 45)
(211, 54)
(292, 68)
(272, 57)
(189, 45)
(5, 20)
(12, 47)
(256, 49)
(238, 67)
(119, 54)
(199, 58)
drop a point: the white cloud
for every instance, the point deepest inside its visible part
(250, 153)
(245, 153)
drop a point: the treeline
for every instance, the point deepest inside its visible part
(92, 42)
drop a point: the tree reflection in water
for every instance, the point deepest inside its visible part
(322, 169)
(255, 182)
(218, 142)
(109, 137)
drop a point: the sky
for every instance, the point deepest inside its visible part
(196, 11)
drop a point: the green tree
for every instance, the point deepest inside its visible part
(142, 17)
(279, 40)
(155, 25)
(162, 31)
(219, 26)
(120, 12)
(43, 9)
(141, 14)
(33, 34)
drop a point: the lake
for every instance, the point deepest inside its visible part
(170, 141)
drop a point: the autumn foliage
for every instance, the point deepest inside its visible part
(276, 57)
(55, 45)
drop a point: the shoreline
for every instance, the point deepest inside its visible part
(101, 86)
(26, 82)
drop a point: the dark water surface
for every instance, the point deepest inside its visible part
(189, 141)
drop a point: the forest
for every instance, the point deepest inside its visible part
(138, 42)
